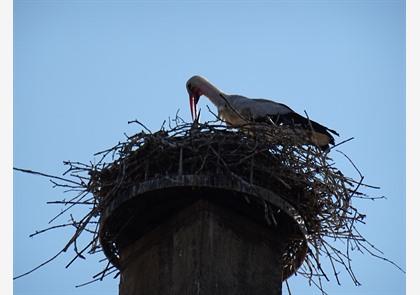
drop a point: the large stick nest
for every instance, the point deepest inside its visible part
(272, 157)
(275, 158)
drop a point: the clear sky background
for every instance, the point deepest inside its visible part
(82, 69)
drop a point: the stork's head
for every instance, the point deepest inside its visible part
(195, 90)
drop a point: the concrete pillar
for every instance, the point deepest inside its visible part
(204, 249)
(200, 235)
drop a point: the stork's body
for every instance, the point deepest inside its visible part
(237, 110)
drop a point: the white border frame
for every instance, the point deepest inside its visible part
(412, 144)
(6, 147)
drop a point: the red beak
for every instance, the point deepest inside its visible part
(193, 107)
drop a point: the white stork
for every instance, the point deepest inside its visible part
(237, 110)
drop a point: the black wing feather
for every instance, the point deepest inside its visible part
(295, 120)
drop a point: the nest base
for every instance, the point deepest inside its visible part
(131, 216)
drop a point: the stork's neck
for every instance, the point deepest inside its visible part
(213, 93)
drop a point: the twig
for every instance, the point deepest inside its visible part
(43, 174)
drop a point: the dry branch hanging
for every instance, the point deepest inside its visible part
(308, 187)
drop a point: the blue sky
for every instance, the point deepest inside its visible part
(82, 69)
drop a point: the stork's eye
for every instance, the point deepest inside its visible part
(189, 85)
